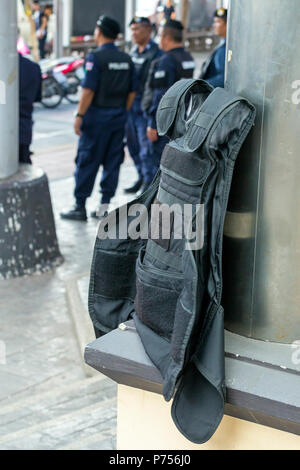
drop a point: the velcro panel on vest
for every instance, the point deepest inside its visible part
(217, 102)
(114, 275)
(188, 167)
(167, 109)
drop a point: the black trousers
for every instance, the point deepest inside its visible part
(42, 43)
(24, 154)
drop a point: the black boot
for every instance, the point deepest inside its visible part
(133, 189)
(77, 213)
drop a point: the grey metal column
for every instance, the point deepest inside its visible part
(130, 11)
(58, 40)
(262, 231)
(9, 88)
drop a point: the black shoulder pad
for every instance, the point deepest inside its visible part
(218, 103)
(169, 104)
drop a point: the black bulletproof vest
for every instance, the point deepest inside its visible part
(115, 80)
(172, 285)
(142, 63)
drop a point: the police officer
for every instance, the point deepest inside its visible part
(142, 54)
(213, 70)
(109, 89)
(41, 23)
(30, 92)
(174, 65)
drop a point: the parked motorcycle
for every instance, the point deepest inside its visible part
(61, 79)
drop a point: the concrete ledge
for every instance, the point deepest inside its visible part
(257, 391)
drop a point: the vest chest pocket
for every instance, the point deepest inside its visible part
(156, 298)
(183, 174)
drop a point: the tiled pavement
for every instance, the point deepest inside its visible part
(42, 355)
(46, 400)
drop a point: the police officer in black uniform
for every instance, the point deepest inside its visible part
(213, 70)
(143, 53)
(109, 89)
(30, 92)
(174, 65)
(41, 22)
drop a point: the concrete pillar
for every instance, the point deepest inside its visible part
(58, 40)
(67, 23)
(262, 231)
(185, 9)
(9, 90)
(129, 13)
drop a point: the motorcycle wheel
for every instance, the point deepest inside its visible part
(74, 89)
(52, 93)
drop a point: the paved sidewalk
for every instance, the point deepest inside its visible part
(36, 327)
(43, 363)
(34, 319)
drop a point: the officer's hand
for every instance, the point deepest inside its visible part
(77, 125)
(152, 134)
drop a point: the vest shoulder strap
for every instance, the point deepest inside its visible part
(216, 104)
(169, 104)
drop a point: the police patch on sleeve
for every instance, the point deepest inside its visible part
(89, 66)
(188, 64)
(160, 74)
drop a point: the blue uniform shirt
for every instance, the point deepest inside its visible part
(215, 70)
(30, 92)
(136, 55)
(166, 69)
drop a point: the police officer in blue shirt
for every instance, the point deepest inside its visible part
(213, 70)
(142, 54)
(109, 89)
(30, 92)
(174, 65)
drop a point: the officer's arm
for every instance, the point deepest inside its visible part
(219, 78)
(85, 102)
(86, 99)
(130, 100)
(134, 86)
(90, 84)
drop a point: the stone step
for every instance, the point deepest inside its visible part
(32, 411)
(78, 426)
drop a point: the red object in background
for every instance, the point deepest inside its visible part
(69, 67)
(22, 47)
